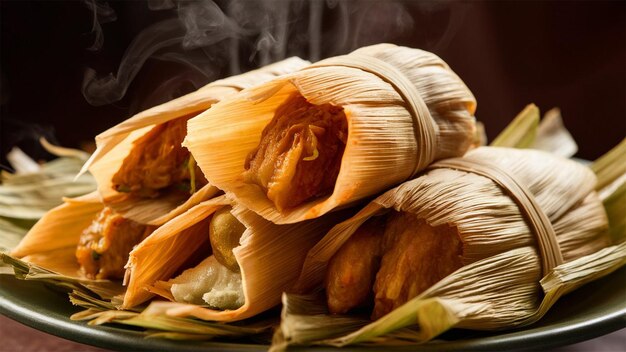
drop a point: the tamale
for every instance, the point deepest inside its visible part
(157, 178)
(333, 133)
(268, 259)
(506, 218)
(144, 177)
(143, 172)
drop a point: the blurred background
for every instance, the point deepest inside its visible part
(71, 69)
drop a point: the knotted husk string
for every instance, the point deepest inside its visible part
(114, 144)
(551, 255)
(424, 126)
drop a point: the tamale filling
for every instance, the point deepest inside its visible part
(159, 162)
(104, 246)
(299, 155)
(352, 270)
(412, 256)
(225, 231)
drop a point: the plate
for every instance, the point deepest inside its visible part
(593, 310)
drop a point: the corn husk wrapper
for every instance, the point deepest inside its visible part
(52, 242)
(503, 273)
(270, 257)
(522, 131)
(160, 255)
(395, 129)
(553, 136)
(116, 143)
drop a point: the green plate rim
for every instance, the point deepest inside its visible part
(573, 319)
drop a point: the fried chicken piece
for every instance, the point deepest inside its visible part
(158, 161)
(299, 155)
(416, 256)
(351, 271)
(104, 246)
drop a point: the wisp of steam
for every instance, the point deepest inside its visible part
(214, 39)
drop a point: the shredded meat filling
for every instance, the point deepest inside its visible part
(104, 246)
(158, 161)
(352, 270)
(416, 257)
(412, 256)
(299, 155)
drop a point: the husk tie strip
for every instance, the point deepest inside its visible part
(538, 221)
(424, 126)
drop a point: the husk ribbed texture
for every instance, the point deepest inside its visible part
(500, 284)
(489, 221)
(52, 242)
(381, 143)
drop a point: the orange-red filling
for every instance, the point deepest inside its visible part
(412, 256)
(104, 246)
(299, 155)
(158, 162)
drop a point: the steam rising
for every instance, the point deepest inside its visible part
(109, 89)
(156, 5)
(102, 13)
(213, 40)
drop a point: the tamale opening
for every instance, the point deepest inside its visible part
(167, 253)
(389, 260)
(158, 163)
(213, 280)
(299, 155)
(216, 281)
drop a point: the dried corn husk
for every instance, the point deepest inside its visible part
(549, 134)
(269, 257)
(160, 255)
(553, 137)
(96, 297)
(522, 131)
(497, 287)
(97, 289)
(26, 197)
(114, 144)
(51, 243)
(405, 108)
(162, 326)
(611, 172)
(611, 169)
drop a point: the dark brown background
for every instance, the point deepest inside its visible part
(566, 54)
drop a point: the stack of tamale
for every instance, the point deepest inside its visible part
(456, 235)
